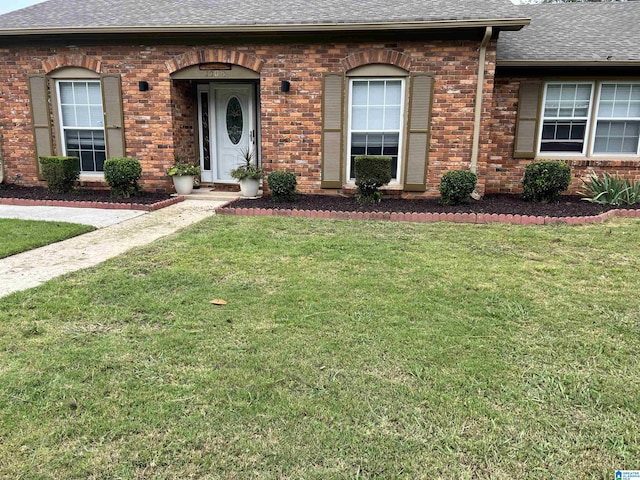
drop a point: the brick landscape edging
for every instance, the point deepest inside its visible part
(24, 202)
(481, 218)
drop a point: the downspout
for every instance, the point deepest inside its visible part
(1, 162)
(478, 108)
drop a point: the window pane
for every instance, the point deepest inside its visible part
(394, 93)
(392, 118)
(563, 136)
(86, 161)
(617, 137)
(621, 100)
(606, 109)
(620, 109)
(584, 93)
(95, 96)
(608, 92)
(360, 93)
(89, 146)
(83, 118)
(376, 93)
(81, 96)
(553, 93)
(562, 131)
(81, 104)
(66, 93)
(359, 119)
(96, 116)
(375, 144)
(375, 118)
(69, 116)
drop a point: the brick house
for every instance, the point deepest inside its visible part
(436, 84)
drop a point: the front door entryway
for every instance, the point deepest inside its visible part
(227, 124)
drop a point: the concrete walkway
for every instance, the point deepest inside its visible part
(97, 217)
(29, 269)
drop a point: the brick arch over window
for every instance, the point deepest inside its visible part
(390, 57)
(78, 60)
(214, 56)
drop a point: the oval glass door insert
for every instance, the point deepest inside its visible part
(235, 120)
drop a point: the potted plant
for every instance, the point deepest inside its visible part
(183, 174)
(248, 174)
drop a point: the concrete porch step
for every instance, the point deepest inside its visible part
(207, 193)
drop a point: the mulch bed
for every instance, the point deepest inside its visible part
(102, 196)
(567, 206)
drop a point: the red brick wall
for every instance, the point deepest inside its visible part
(158, 123)
(504, 173)
(184, 110)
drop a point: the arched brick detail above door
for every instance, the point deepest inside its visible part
(77, 60)
(367, 57)
(214, 56)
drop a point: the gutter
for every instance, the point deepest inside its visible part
(504, 24)
(567, 63)
(478, 107)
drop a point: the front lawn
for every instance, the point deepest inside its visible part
(20, 235)
(346, 350)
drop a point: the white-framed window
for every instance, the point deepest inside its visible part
(82, 122)
(565, 117)
(376, 111)
(618, 119)
(590, 118)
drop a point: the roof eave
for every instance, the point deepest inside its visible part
(503, 24)
(568, 63)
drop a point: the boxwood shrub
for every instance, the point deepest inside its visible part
(60, 173)
(122, 175)
(371, 172)
(282, 186)
(456, 186)
(543, 181)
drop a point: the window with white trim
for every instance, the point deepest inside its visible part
(618, 119)
(565, 117)
(82, 123)
(590, 118)
(376, 108)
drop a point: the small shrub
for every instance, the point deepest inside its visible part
(372, 172)
(282, 186)
(122, 175)
(611, 190)
(543, 181)
(456, 186)
(60, 173)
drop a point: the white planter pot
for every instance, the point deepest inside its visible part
(249, 187)
(183, 184)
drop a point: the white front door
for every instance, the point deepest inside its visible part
(227, 123)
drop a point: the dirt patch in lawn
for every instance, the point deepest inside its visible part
(567, 206)
(104, 196)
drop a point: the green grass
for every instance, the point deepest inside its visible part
(346, 350)
(21, 235)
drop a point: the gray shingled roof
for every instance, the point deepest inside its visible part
(109, 14)
(584, 32)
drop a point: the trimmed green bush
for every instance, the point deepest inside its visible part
(60, 173)
(282, 186)
(543, 181)
(122, 175)
(611, 190)
(456, 186)
(371, 172)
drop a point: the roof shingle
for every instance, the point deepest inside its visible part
(579, 32)
(62, 14)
